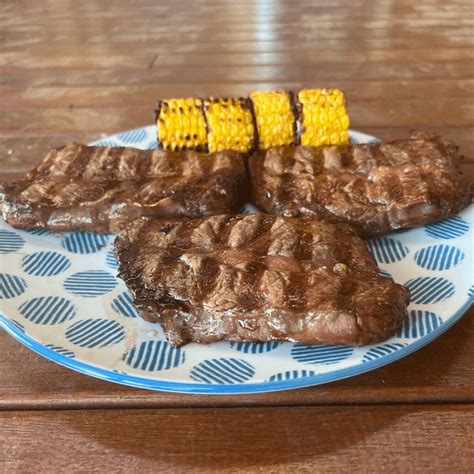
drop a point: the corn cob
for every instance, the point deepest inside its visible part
(311, 117)
(323, 117)
(181, 125)
(275, 119)
(229, 124)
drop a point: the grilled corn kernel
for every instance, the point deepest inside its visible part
(274, 117)
(230, 125)
(319, 118)
(181, 124)
(323, 117)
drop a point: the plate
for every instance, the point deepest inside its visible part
(60, 297)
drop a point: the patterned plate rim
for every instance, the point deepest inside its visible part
(221, 389)
(215, 389)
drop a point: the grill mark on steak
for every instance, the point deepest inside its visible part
(258, 278)
(376, 187)
(77, 187)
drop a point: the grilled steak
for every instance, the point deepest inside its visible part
(258, 278)
(99, 188)
(376, 187)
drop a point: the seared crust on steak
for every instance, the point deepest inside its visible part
(258, 278)
(376, 187)
(100, 189)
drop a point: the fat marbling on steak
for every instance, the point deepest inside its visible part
(94, 188)
(258, 278)
(376, 187)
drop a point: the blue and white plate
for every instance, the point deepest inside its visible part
(59, 296)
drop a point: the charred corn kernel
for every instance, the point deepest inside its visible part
(274, 117)
(265, 119)
(322, 117)
(181, 124)
(229, 124)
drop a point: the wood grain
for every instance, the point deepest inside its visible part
(306, 439)
(16, 97)
(321, 73)
(75, 71)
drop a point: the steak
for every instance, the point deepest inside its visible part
(258, 278)
(79, 187)
(376, 187)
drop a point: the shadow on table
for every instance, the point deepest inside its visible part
(238, 437)
(226, 439)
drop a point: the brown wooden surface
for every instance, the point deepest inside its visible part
(74, 71)
(428, 438)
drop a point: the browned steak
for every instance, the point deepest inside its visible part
(376, 187)
(258, 278)
(99, 188)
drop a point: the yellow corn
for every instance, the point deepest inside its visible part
(181, 124)
(229, 125)
(323, 117)
(275, 119)
(266, 119)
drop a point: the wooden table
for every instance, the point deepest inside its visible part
(75, 71)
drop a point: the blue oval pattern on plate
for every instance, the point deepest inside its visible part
(85, 242)
(48, 310)
(90, 283)
(425, 290)
(439, 257)
(133, 136)
(384, 273)
(291, 375)
(111, 142)
(152, 144)
(38, 232)
(470, 292)
(320, 354)
(387, 250)
(381, 351)
(111, 260)
(222, 371)
(61, 350)
(419, 324)
(123, 305)
(95, 333)
(11, 286)
(154, 355)
(254, 347)
(45, 263)
(448, 228)
(10, 241)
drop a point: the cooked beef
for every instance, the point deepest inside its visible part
(376, 187)
(100, 189)
(258, 278)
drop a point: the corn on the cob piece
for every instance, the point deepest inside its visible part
(229, 124)
(181, 124)
(323, 117)
(312, 117)
(275, 118)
